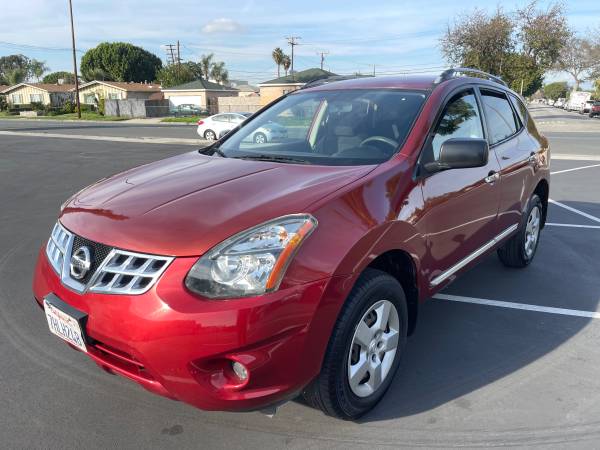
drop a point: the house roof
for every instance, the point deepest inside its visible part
(247, 88)
(200, 84)
(124, 86)
(43, 86)
(301, 77)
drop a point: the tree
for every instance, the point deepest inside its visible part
(287, 63)
(52, 78)
(120, 61)
(10, 63)
(556, 90)
(578, 58)
(37, 69)
(174, 75)
(520, 47)
(16, 76)
(479, 41)
(542, 34)
(219, 73)
(278, 57)
(195, 68)
(206, 62)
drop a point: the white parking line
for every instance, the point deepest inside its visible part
(523, 306)
(573, 210)
(576, 168)
(572, 225)
(85, 137)
(576, 157)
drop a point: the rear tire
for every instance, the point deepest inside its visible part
(210, 135)
(520, 249)
(375, 314)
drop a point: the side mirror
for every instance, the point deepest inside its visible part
(460, 154)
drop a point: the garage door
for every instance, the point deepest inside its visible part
(186, 100)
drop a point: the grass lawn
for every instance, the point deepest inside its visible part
(191, 119)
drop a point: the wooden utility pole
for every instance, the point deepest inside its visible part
(293, 41)
(322, 54)
(75, 61)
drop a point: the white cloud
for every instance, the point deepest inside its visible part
(222, 25)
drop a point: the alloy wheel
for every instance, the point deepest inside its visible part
(532, 231)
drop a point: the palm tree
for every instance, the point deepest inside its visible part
(219, 73)
(206, 65)
(278, 57)
(287, 62)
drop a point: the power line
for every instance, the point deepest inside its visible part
(36, 47)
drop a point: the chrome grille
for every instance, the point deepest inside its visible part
(114, 271)
(57, 247)
(126, 272)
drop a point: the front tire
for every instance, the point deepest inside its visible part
(519, 250)
(364, 350)
(210, 135)
(260, 138)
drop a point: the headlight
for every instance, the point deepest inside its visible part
(252, 262)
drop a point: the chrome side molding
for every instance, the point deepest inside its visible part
(480, 251)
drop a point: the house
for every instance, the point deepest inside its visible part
(46, 94)
(201, 93)
(273, 89)
(247, 90)
(91, 92)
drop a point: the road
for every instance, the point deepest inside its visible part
(472, 375)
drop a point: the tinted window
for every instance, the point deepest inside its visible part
(460, 119)
(500, 116)
(520, 108)
(335, 127)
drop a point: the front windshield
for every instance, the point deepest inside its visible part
(339, 127)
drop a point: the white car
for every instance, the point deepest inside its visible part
(217, 126)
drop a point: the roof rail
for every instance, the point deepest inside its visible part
(456, 71)
(331, 79)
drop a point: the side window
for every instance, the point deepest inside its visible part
(520, 108)
(461, 119)
(221, 118)
(501, 119)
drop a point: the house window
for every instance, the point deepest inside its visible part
(89, 99)
(35, 98)
(114, 96)
(17, 99)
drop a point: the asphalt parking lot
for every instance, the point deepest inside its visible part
(522, 372)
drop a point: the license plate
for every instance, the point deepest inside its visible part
(64, 325)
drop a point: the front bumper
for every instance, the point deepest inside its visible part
(180, 346)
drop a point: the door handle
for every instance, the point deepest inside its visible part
(492, 177)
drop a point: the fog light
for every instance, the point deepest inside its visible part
(240, 370)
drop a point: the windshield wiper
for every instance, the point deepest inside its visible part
(211, 150)
(274, 158)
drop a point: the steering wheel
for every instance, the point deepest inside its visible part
(383, 139)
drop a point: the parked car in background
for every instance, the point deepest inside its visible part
(577, 100)
(187, 110)
(560, 103)
(245, 274)
(586, 107)
(595, 109)
(551, 102)
(217, 126)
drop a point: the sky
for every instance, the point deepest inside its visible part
(358, 36)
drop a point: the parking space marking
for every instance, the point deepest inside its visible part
(576, 168)
(573, 210)
(522, 306)
(85, 137)
(576, 157)
(572, 225)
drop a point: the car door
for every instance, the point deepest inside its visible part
(460, 205)
(221, 124)
(515, 150)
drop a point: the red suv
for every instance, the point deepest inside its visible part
(244, 274)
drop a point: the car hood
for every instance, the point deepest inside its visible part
(183, 206)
